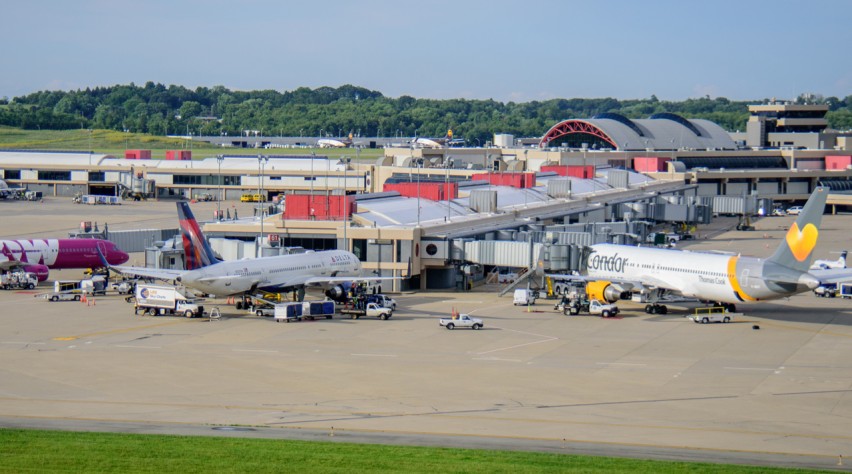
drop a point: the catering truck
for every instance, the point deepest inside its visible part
(161, 300)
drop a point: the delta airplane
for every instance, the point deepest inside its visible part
(615, 271)
(333, 270)
(40, 255)
(826, 264)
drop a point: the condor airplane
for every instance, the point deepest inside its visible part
(614, 271)
(40, 255)
(333, 270)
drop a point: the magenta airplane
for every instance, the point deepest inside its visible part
(40, 255)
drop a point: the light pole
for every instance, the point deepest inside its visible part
(261, 161)
(219, 159)
(345, 203)
(419, 168)
(447, 186)
(313, 155)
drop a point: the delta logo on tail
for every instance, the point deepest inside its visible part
(197, 250)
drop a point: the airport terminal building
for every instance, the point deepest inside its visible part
(455, 217)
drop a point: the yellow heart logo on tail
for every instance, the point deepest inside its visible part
(802, 242)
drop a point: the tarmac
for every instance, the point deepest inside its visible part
(646, 386)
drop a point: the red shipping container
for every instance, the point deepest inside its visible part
(433, 191)
(178, 154)
(650, 164)
(838, 162)
(574, 171)
(137, 154)
(517, 180)
(318, 207)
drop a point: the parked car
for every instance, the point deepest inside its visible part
(794, 211)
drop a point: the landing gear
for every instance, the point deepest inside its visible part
(656, 309)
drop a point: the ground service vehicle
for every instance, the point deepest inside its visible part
(63, 297)
(372, 309)
(18, 280)
(124, 287)
(251, 198)
(154, 300)
(845, 290)
(603, 309)
(382, 300)
(462, 321)
(712, 315)
(305, 310)
(794, 211)
(524, 297)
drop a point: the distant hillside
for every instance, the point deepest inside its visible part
(175, 110)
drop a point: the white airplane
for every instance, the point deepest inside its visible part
(826, 264)
(7, 192)
(616, 271)
(447, 140)
(335, 142)
(333, 270)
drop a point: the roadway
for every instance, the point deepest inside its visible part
(639, 386)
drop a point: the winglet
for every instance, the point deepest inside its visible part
(195, 246)
(796, 250)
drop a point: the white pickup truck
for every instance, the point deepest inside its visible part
(462, 321)
(713, 317)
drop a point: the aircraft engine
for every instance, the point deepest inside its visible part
(606, 291)
(41, 271)
(337, 293)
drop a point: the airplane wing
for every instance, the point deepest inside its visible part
(155, 273)
(646, 283)
(833, 275)
(321, 281)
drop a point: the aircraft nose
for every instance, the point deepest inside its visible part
(809, 280)
(120, 257)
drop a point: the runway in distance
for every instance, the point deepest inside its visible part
(616, 271)
(40, 255)
(332, 270)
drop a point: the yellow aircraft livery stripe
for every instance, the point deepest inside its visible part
(735, 284)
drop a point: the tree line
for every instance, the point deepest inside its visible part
(327, 111)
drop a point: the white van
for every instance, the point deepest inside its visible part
(524, 297)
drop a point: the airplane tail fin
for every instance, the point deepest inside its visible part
(197, 249)
(796, 251)
(843, 258)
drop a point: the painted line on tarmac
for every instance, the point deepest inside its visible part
(497, 359)
(547, 339)
(765, 369)
(117, 331)
(622, 363)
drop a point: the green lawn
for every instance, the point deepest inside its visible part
(56, 451)
(114, 143)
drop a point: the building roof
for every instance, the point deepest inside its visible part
(662, 131)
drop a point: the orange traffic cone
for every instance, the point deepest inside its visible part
(84, 300)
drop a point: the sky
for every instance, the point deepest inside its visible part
(476, 49)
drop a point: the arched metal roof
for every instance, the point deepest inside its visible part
(663, 131)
